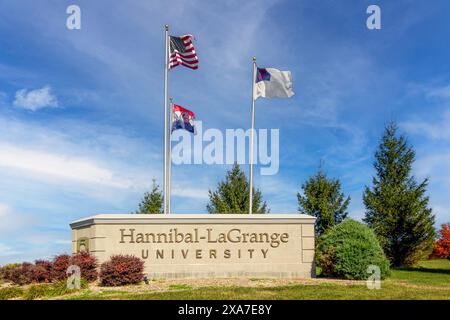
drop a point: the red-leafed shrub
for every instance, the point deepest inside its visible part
(59, 267)
(87, 264)
(442, 245)
(20, 274)
(121, 270)
(50, 271)
(5, 271)
(27, 273)
(42, 271)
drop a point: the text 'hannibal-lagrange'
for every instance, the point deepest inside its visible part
(208, 236)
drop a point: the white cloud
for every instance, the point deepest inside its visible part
(442, 92)
(8, 251)
(57, 165)
(4, 209)
(441, 211)
(70, 153)
(98, 162)
(193, 193)
(11, 220)
(433, 155)
(435, 166)
(437, 130)
(35, 99)
(278, 202)
(243, 30)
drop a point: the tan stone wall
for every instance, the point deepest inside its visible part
(291, 257)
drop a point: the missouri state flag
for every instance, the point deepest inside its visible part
(183, 119)
(273, 83)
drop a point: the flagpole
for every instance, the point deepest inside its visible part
(250, 204)
(169, 185)
(166, 75)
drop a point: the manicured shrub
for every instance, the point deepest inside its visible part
(441, 248)
(121, 270)
(86, 262)
(88, 265)
(59, 267)
(5, 271)
(42, 271)
(27, 273)
(20, 274)
(348, 249)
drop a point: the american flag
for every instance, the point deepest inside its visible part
(182, 52)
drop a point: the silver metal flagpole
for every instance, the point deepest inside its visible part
(250, 204)
(166, 75)
(169, 185)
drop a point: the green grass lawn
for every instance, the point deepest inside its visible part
(427, 273)
(291, 292)
(428, 280)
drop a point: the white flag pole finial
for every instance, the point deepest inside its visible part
(250, 197)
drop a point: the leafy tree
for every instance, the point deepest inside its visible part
(152, 202)
(396, 205)
(324, 200)
(442, 245)
(232, 195)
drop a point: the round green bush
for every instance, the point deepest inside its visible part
(348, 249)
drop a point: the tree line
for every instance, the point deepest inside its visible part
(397, 207)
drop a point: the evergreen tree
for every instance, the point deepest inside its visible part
(396, 205)
(152, 202)
(232, 195)
(324, 200)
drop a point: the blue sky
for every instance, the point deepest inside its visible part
(81, 110)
